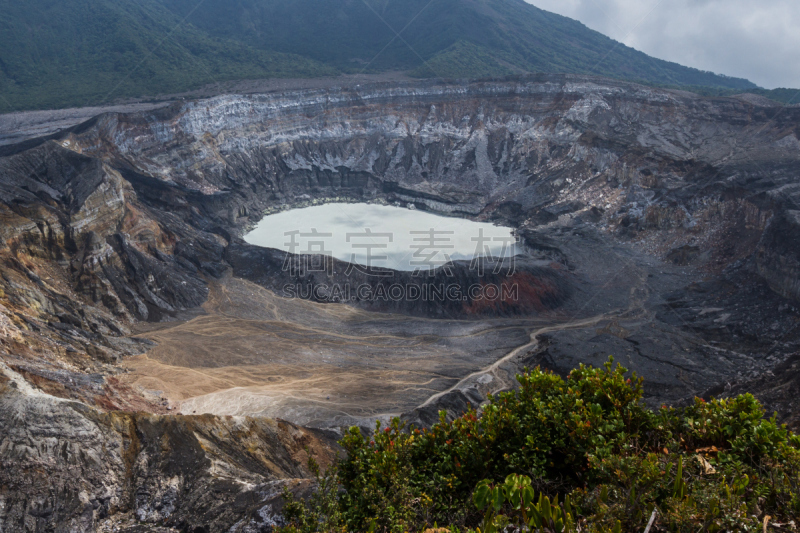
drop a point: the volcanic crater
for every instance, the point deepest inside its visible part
(658, 226)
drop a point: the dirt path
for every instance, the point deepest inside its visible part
(492, 369)
(636, 307)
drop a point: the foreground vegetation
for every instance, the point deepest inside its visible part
(575, 454)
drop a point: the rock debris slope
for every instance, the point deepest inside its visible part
(73, 468)
(660, 226)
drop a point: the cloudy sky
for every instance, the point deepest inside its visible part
(754, 39)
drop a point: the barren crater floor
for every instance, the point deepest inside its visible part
(255, 353)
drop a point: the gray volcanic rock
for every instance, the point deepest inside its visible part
(778, 254)
(658, 225)
(67, 465)
(524, 286)
(554, 148)
(778, 390)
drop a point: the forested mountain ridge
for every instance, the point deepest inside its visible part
(73, 53)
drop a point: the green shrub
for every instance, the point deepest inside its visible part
(322, 511)
(586, 441)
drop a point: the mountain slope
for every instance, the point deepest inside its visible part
(352, 34)
(76, 52)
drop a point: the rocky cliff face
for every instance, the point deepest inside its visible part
(68, 467)
(777, 258)
(636, 158)
(128, 218)
(670, 168)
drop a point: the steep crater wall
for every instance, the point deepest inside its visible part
(133, 213)
(639, 162)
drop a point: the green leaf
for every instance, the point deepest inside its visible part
(677, 492)
(497, 498)
(528, 495)
(482, 495)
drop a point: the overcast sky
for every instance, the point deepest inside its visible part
(754, 39)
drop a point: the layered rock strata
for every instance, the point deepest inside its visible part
(128, 218)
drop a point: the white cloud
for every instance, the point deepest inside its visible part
(754, 39)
